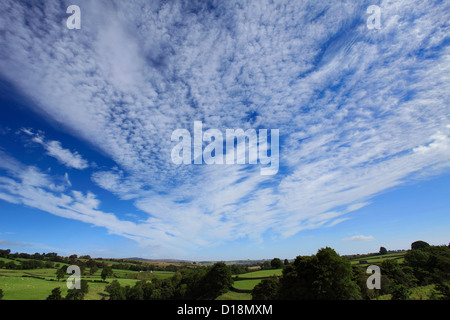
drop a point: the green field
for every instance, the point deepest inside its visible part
(250, 280)
(6, 260)
(21, 284)
(246, 284)
(17, 287)
(376, 259)
(261, 273)
(230, 295)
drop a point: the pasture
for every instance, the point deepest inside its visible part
(261, 273)
(376, 259)
(37, 284)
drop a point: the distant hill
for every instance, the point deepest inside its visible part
(230, 262)
(159, 260)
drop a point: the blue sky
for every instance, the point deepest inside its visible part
(87, 115)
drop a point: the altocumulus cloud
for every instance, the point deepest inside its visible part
(358, 110)
(54, 149)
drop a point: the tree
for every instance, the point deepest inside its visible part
(360, 276)
(90, 263)
(324, 276)
(78, 294)
(267, 289)
(4, 253)
(444, 289)
(383, 250)
(419, 245)
(115, 291)
(430, 264)
(276, 263)
(286, 262)
(93, 269)
(1, 294)
(398, 274)
(400, 292)
(266, 265)
(106, 272)
(55, 295)
(217, 281)
(84, 286)
(60, 273)
(75, 294)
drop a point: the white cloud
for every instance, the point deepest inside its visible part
(54, 149)
(355, 107)
(359, 238)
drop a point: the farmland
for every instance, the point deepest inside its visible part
(408, 274)
(24, 278)
(376, 259)
(37, 284)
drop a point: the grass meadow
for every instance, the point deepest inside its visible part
(37, 284)
(25, 284)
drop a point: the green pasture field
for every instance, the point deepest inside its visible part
(231, 295)
(6, 260)
(246, 284)
(17, 287)
(399, 257)
(20, 284)
(261, 273)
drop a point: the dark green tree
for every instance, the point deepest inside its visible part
(60, 273)
(444, 289)
(397, 273)
(324, 276)
(106, 272)
(78, 294)
(55, 295)
(90, 263)
(419, 245)
(276, 263)
(5, 253)
(93, 269)
(75, 294)
(400, 292)
(267, 289)
(116, 292)
(266, 265)
(383, 250)
(84, 286)
(430, 264)
(217, 281)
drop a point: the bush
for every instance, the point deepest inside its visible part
(267, 289)
(400, 292)
(324, 276)
(56, 294)
(419, 245)
(276, 263)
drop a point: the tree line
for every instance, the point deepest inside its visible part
(50, 260)
(323, 276)
(328, 276)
